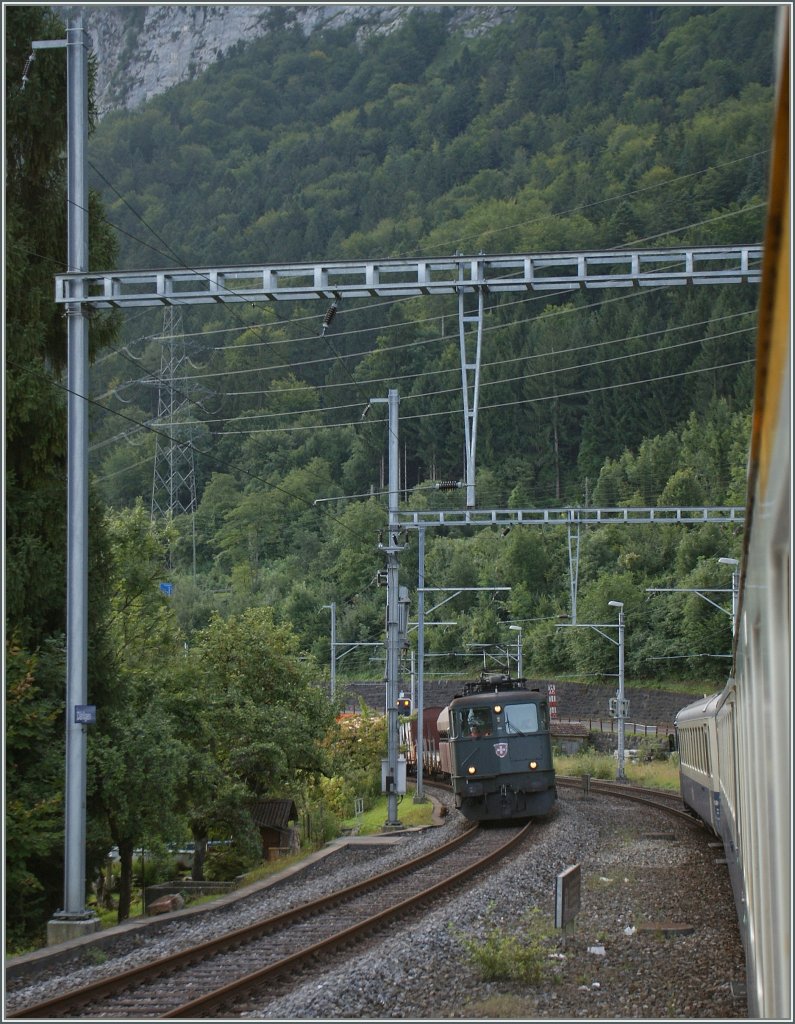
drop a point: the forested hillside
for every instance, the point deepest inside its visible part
(561, 128)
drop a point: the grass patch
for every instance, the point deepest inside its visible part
(409, 814)
(272, 867)
(505, 1007)
(95, 955)
(653, 774)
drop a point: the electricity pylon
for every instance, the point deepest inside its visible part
(174, 476)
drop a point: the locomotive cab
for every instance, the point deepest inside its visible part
(499, 752)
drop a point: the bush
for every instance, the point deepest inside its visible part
(156, 865)
(225, 863)
(322, 824)
(591, 762)
(652, 748)
(518, 956)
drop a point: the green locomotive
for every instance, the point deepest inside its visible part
(494, 743)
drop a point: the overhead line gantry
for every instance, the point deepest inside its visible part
(404, 277)
(460, 275)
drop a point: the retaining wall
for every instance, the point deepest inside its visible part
(574, 700)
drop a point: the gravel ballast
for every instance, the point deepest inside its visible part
(656, 936)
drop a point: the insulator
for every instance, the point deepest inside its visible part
(331, 312)
(448, 485)
(26, 69)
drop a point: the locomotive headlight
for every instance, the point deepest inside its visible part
(471, 769)
(498, 708)
(534, 765)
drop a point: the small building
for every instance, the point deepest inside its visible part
(276, 821)
(571, 737)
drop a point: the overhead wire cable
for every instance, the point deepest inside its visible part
(497, 362)
(499, 405)
(336, 355)
(502, 380)
(143, 221)
(188, 444)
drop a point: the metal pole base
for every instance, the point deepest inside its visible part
(63, 927)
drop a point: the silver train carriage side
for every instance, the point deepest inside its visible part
(735, 746)
(494, 743)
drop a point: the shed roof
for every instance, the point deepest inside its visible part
(273, 813)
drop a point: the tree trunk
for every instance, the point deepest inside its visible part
(199, 855)
(125, 880)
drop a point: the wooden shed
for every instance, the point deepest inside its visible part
(276, 820)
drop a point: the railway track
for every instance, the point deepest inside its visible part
(667, 800)
(217, 977)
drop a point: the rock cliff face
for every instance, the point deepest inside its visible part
(143, 49)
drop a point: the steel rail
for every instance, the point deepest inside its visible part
(666, 800)
(131, 979)
(243, 986)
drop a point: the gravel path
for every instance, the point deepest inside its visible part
(640, 871)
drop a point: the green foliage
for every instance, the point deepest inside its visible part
(518, 955)
(34, 784)
(589, 762)
(154, 865)
(268, 718)
(226, 863)
(341, 145)
(34, 329)
(35, 468)
(315, 172)
(356, 745)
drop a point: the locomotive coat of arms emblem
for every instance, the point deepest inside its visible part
(500, 749)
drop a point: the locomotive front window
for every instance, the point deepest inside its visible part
(475, 722)
(521, 719)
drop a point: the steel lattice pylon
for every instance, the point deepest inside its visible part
(174, 476)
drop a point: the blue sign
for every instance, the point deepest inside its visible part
(167, 589)
(85, 714)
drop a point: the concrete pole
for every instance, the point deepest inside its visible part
(392, 611)
(333, 608)
(519, 661)
(74, 918)
(77, 473)
(620, 768)
(419, 793)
